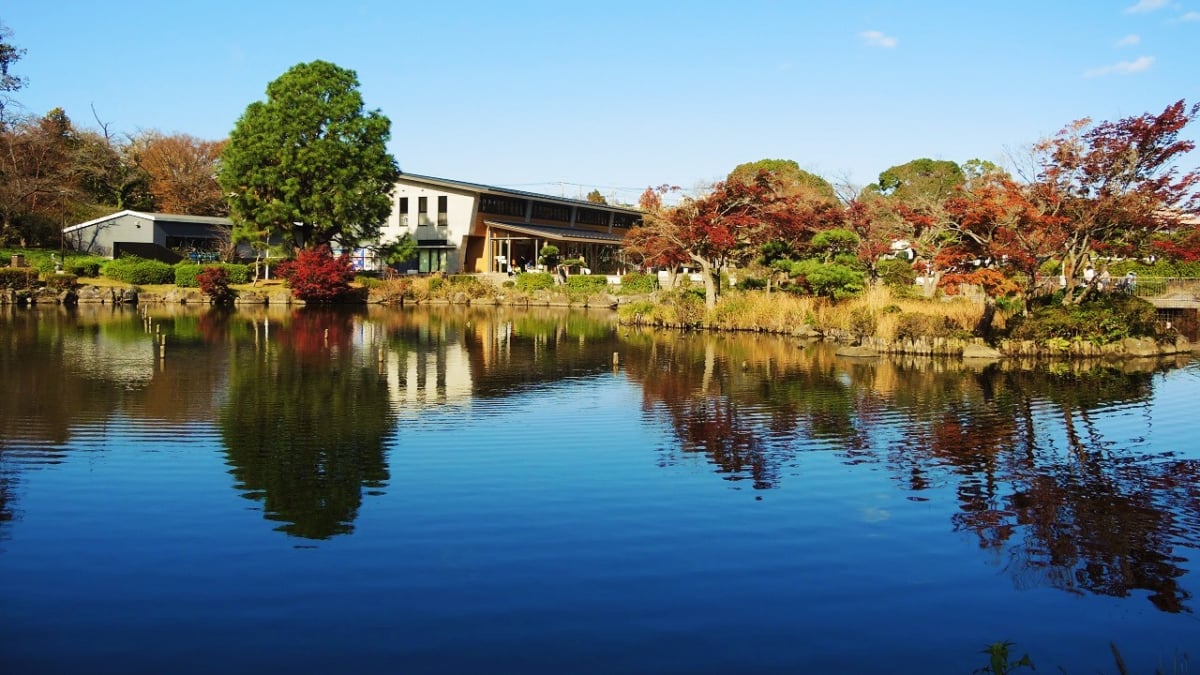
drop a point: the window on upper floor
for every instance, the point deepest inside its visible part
(624, 220)
(423, 211)
(504, 206)
(403, 212)
(591, 217)
(443, 208)
(544, 211)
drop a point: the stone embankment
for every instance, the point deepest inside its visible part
(108, 295)
(977, 349)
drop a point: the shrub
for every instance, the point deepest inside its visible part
(896, 274)
(862, 322)
(639, 283)
(1108, 318)
(751, 284)
(469, 285)
(534, 281)
(187, 274)
(138, 271)
(368, 281)
(548, 256)
(915, 326)
(830, 280)
(60, 281)
(587, 283)
(18, 278)
(84, 266)
(317, 276)
(214, 282)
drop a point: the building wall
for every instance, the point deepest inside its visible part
(98, 239)
(467, 231)
(460, 213)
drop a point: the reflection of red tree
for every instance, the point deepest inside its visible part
(313, 333)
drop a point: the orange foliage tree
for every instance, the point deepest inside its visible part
(182, 173)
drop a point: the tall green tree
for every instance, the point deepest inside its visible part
(309, 166)
(789, 177)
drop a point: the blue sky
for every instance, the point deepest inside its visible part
(561, 97)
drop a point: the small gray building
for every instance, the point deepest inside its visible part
(164, 236)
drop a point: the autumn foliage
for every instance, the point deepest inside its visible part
(317, 276)
(214, 282)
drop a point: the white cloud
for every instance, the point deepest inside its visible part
(1146, 6)
(876, 38)
(1190, 16)
(1123, 68)
(1129, 40)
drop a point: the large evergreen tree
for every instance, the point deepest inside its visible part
(309, 166)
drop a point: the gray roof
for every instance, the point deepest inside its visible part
(161, 217)
(495, 190)
(560, 233)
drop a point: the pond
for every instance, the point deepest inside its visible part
(463, 489)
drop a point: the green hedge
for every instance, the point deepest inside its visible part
(140, 272)
(639, 283)
(590, 283)
(534, 281)
(18, 278)
(186, 273)
(84, 266)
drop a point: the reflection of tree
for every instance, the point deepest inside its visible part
(1038, 481)
(1024, 453)
(305, 424)
(740, 402)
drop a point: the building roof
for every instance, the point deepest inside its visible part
(164, 217)
(495, 190)
(560, 233)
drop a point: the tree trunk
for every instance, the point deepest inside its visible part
(983, 327)
(712, 284)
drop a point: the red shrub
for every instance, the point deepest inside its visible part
(316, 276)
(214, 282)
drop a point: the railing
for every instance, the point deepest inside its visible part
(1182, 288)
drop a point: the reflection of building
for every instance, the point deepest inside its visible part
(466, 227)
(147, 234)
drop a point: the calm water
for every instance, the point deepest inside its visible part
(481, 490)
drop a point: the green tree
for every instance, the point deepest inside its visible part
(596, 198)
(921, 181)
(789, 176)
(309, 166)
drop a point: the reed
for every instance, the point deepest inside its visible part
(878, 306)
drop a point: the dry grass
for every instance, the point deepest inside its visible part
(783, 312)
(779, 312)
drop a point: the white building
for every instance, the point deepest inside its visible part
(465, 227)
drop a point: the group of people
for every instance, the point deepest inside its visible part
(1104, 281)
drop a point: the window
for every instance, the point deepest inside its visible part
(443, 204)
(432, 260)
(504, 206)
(591, 217)
(422, 211)
(404, 212)
(544, 211)
(625, 220)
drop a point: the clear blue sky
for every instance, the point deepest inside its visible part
(561, 97)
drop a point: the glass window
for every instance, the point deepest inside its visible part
(423, 211)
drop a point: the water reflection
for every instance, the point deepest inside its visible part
(1061, 477)
(1056, 498)
(304, 423)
